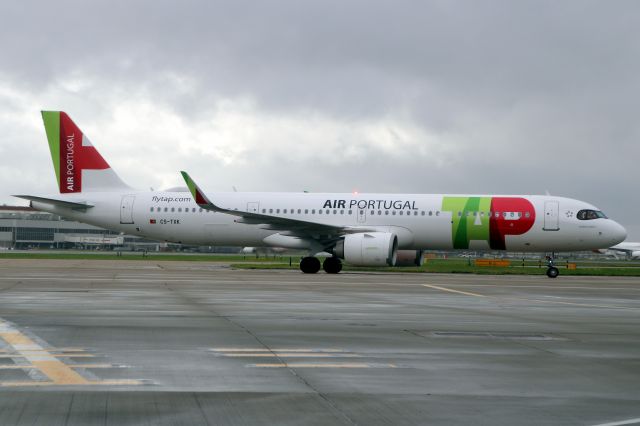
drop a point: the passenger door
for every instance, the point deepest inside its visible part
(551, 216)
(126, 209)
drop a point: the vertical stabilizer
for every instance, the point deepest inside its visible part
(78, 165)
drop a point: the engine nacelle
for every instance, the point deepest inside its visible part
(368, 249)
(635, 254)
(410, 258)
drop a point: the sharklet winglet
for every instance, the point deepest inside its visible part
(198, 195)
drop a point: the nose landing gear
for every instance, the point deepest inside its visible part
(552, 271)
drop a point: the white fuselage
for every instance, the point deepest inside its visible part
(420, 221)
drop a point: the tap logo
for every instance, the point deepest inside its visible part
(488, 219)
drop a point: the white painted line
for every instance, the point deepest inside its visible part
(622, 422)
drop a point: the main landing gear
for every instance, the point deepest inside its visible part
(332, 265)
(552, 271)
(311, 265)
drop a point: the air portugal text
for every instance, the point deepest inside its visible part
(69, 153)
(370, 204)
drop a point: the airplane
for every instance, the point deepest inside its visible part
(629, 249)
(358, 228)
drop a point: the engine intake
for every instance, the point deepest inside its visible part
(368, 249)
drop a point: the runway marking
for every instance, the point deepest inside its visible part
(291, 355)
(31, 366)
(558, 302)
(56, 371)
(319, 365)
(281, 354)
(276, 350)
(44, 352)
(620, 423)
(122, 382)
(466, 293)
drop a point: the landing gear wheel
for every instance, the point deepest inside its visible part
(332, 265)
(309, 265)
(552, 272)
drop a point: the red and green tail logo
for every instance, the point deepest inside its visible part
(71, 151)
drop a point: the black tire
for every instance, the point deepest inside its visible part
(552, 272)
(310, 265)
(332, 265)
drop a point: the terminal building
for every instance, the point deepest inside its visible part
(26, 228)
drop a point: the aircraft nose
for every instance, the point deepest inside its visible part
(617, 232)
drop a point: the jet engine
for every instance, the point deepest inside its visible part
(410, 258)
(635, 254)
(368, 249)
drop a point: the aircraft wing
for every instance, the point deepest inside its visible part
(294, 227)
(55, 202)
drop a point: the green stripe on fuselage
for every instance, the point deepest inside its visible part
(52, 127)
(471, 224)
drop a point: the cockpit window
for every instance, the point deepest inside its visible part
(590, 214)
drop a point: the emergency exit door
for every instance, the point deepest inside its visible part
(253, 207)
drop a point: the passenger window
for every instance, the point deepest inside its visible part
(180, 209)
(437, 212)
(313, 211)
(200, 210)
(306, 211)
(386, 212)
(459, 214)
(319, 211)
(350, 211)
(284, 211)
(299, 211)
(270, 210)
(393, 213)
(527, 215)
(151, 210)
(379, 212)
(341, 211)
(173, 209)
(335, 212)
(327, 212)
(264, 210)
(277, 210)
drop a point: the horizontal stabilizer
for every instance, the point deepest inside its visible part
(59, 203)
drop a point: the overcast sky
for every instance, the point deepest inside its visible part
(399, 96)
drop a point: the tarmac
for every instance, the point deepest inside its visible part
(191, 343)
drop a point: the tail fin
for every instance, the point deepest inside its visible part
(79, 166)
